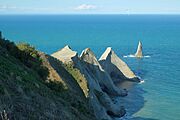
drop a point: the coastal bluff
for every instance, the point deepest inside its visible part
(64, 85)
(100, 83)
(35, 85)
(116, 67)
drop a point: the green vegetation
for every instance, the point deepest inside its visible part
(27, 54)
(25, 92)
(56, 86)
(30, 57)
(28, 50)
(2, 90)
(81, 80)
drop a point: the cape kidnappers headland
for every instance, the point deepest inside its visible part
(100, 76)
(62, 86)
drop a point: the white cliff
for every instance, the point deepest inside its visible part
(115, 67)
(100, 74)
(100, 84)
(65, 54)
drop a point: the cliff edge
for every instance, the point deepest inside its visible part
(116, 68)
(100, 85)
(34, 85)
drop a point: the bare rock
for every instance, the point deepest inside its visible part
(139, 53)
(116, 68)
(65, 54)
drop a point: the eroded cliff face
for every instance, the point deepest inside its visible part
(61, 86)
(116, 68)
(100, 74)
(99, 82)
(65, 54)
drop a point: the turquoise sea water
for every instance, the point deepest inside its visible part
(158, 98)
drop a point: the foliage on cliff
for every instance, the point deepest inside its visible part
(25, 92)
(27, 54)
(78, 77)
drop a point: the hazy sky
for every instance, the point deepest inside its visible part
(89, 6)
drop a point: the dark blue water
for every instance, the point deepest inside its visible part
(158, 98)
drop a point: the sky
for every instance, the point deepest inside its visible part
(89, 6)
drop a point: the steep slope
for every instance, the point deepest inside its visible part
(116, 68)
(100, 74)
(25, 94)
(92, 76)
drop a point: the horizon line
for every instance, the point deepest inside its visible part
(92, 14)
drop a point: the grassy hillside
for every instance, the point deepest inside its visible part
(36, 86)
(81, 80)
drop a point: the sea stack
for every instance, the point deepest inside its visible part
(139, 53)
(117, 68)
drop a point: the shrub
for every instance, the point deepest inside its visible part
(27, 54)
(56, 86)
(2, 90)
(31, 58)
(43, 72)
(28, 49)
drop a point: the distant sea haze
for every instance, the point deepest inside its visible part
(155, 99)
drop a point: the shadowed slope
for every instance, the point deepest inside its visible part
(26, 94)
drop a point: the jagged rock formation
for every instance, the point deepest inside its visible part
(65, 54)
(62, 86)
(115, 67)
(139, 53)
(99, 73)
(100, 85)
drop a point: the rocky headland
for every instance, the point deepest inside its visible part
(63, 86)
(101, 78)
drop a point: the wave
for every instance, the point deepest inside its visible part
(147, 56)
(133, 56)
(127, 116)
(141, 82)
(125, 56)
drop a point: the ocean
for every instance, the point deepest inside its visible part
(158, 98)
